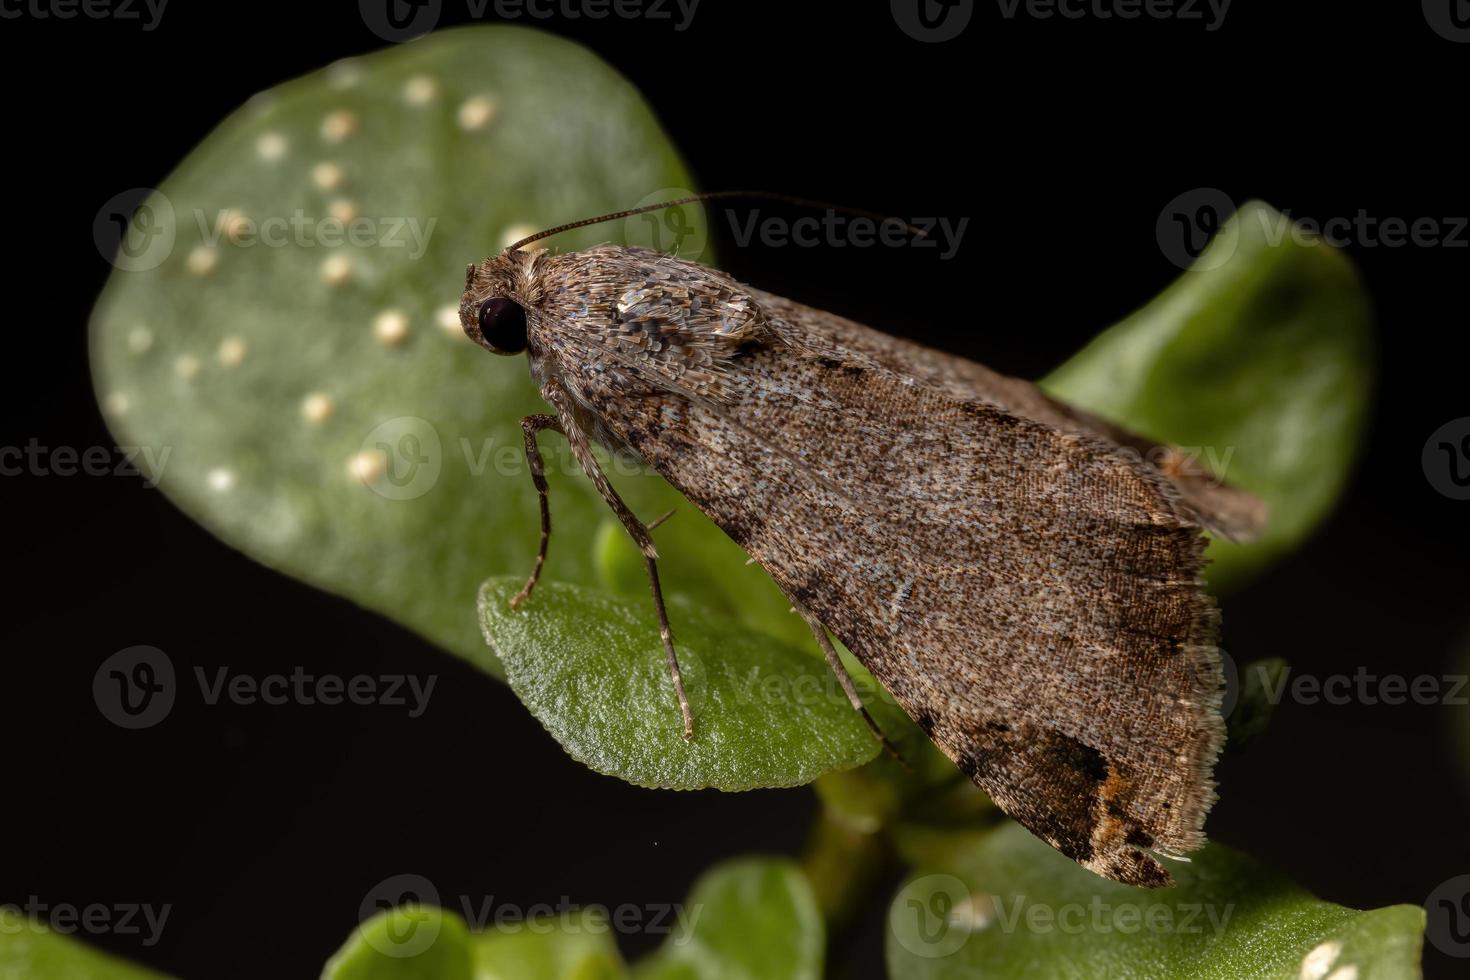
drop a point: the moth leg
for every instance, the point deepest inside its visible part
(844, 679)
(531, 425)
(638, 531)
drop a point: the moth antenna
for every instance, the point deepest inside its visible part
(803, 202)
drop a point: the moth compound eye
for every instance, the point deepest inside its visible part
(503, 325)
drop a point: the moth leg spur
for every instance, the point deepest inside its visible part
(638, 531)
(844, 679)
(531, 425)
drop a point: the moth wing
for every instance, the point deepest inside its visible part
(1237, 514)
(1030, 596)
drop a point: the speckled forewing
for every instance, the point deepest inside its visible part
(1235, 513)
(1031, 597)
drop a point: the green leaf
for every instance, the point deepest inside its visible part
(427, 943)
(751, 919)
(1261, 358)
(406, 943)
(272, 411)
(31, 950)
(579, 949)
(1006, 904)
(589, 665)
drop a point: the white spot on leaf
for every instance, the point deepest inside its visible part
(202, 260)
(367, 466)
(220, 480)
(336, 270)
(328, 175)
(391, 328)
(186, 366)
(317, 407)
(476, 112)
(1319, 961)
(420, 90)
(232, 351)
(339, 125)
(271, 146)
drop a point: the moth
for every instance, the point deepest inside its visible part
(1022, 576)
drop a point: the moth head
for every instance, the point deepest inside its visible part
(491, 311)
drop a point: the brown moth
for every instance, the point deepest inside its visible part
(1023, 577)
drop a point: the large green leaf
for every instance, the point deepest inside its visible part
(1005, 904)
(319, 407)
(589, 665)
(30, 950)
(752, 919)
(1261, 359)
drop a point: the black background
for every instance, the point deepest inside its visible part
(1061, 140)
